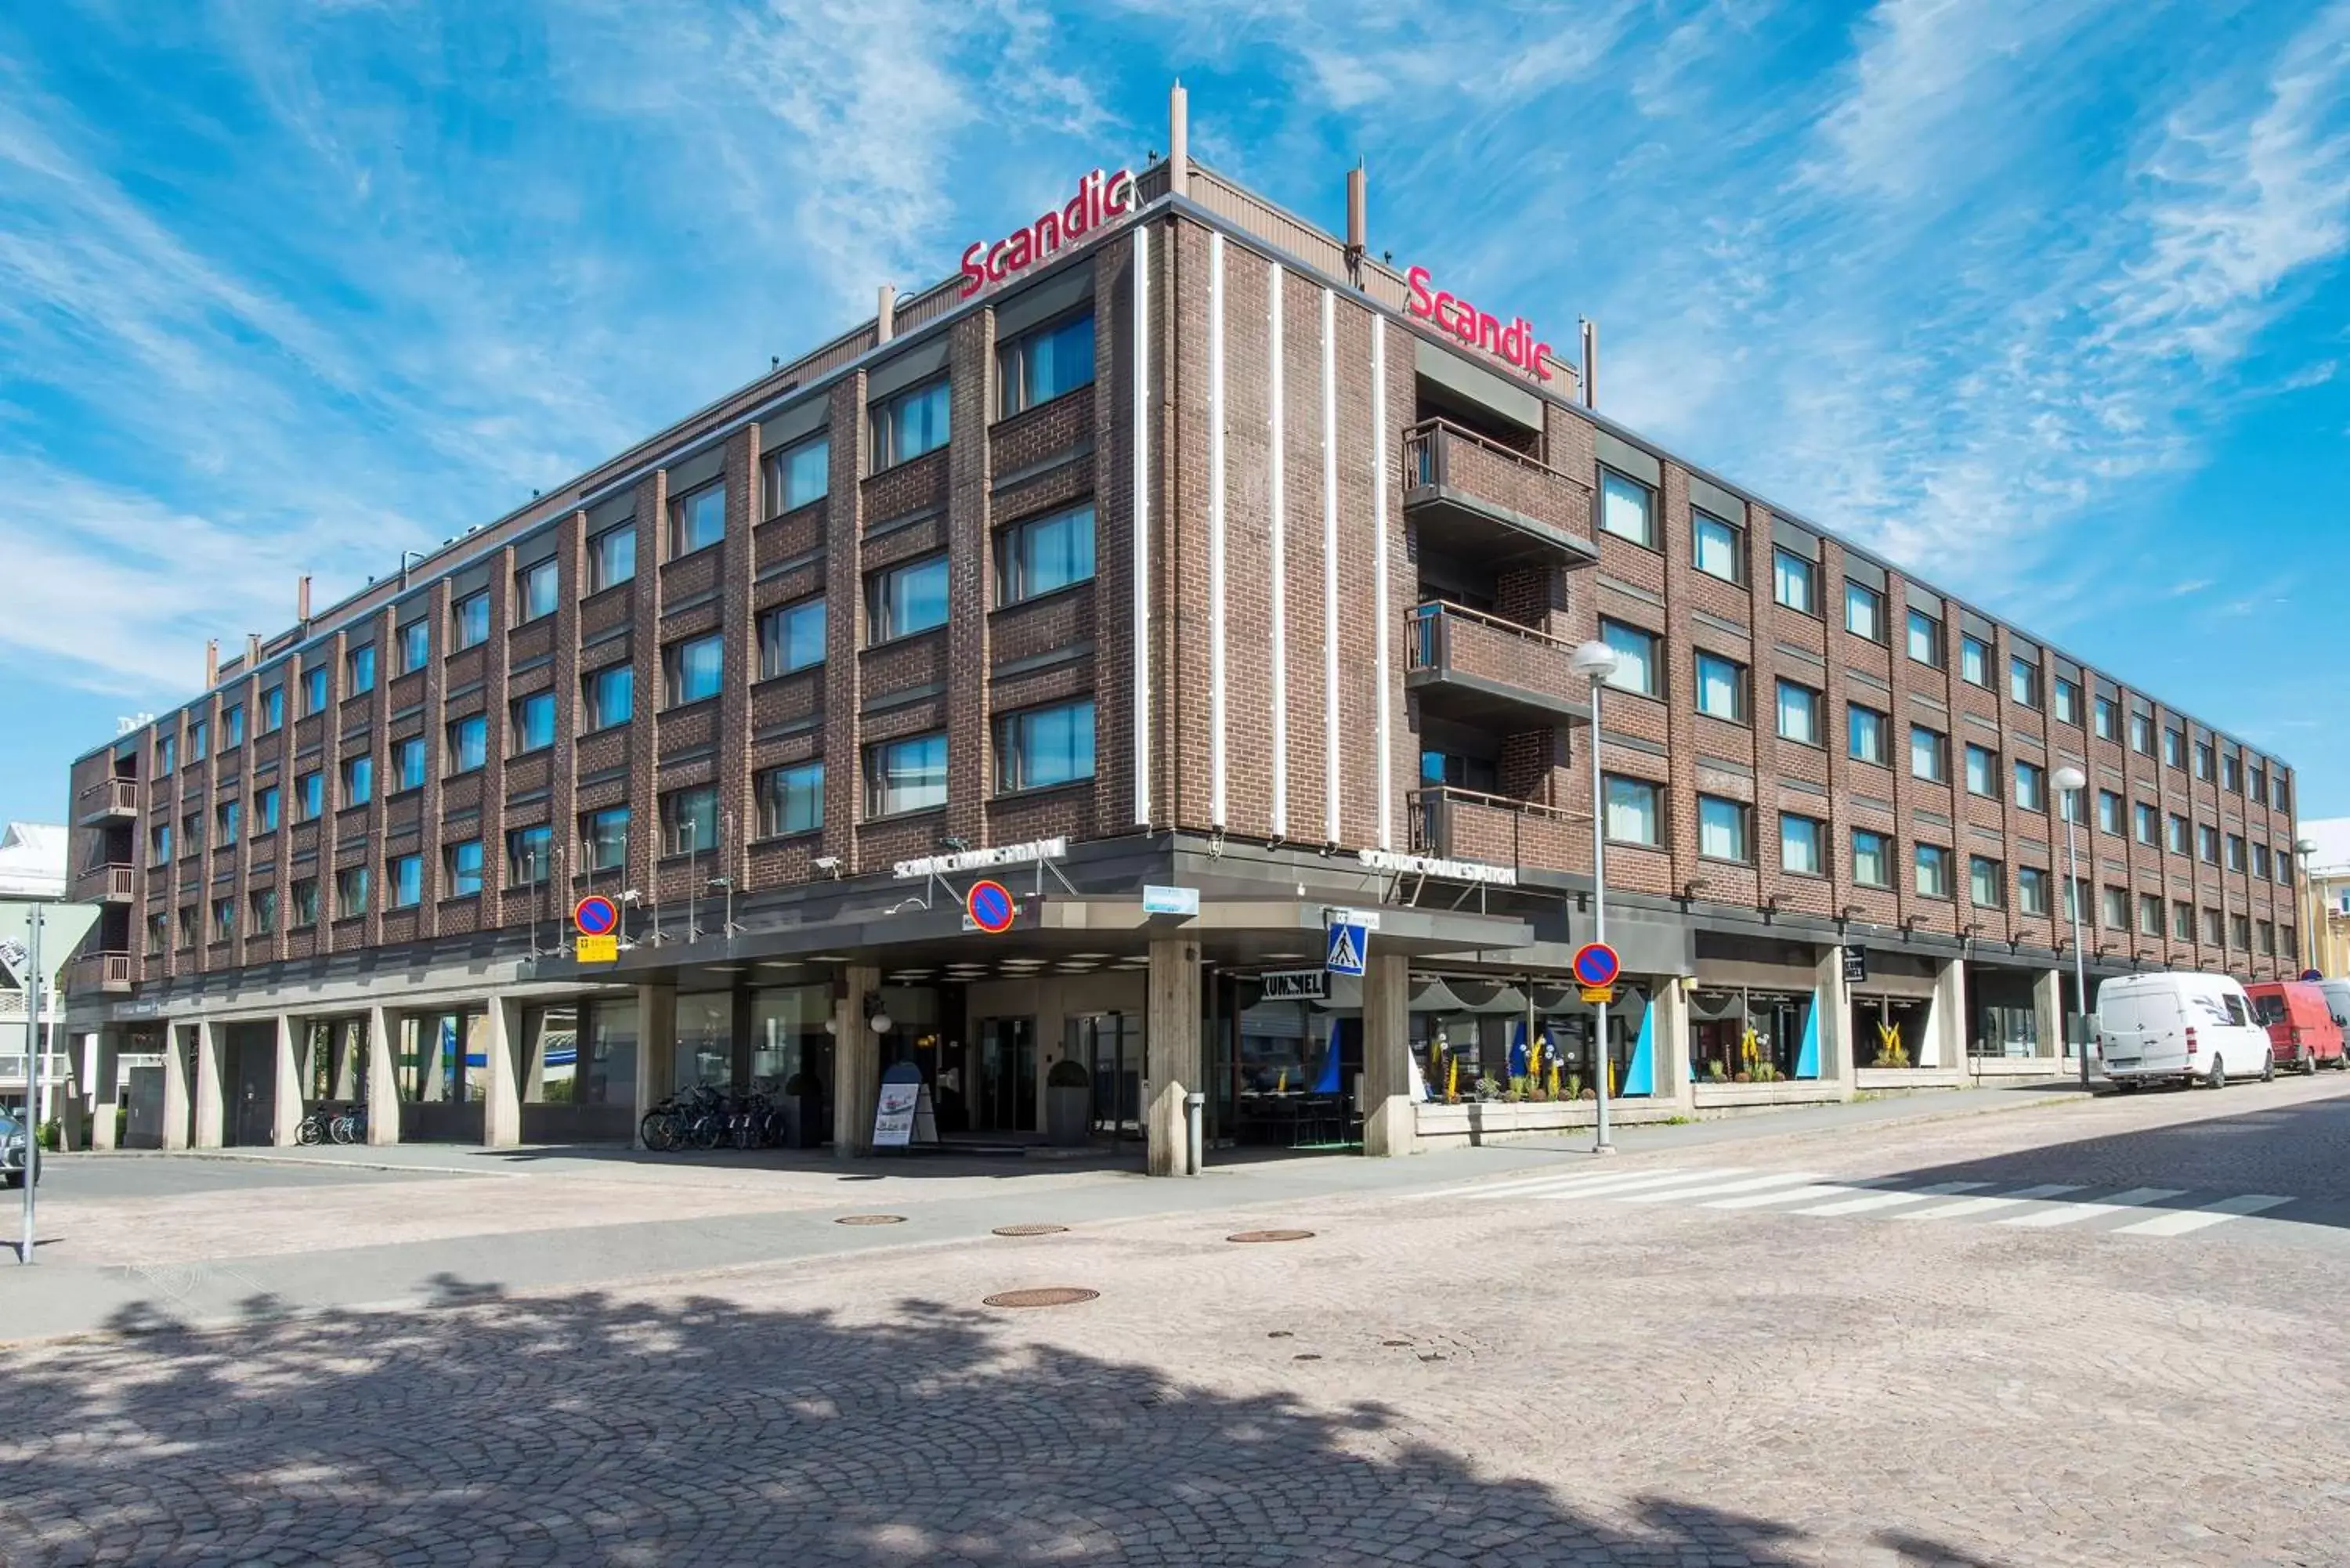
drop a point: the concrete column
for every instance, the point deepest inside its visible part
(502, 1086)
(1669, 1035)
(856, 1066)
(103, 1090)
(286, 1111)
(656, 1049)
(1832, 998)
(1945, 1044)
(175, 1086)
(2048, 1013)
(210, 1109)
(346, 1046)
(1390, 1120)
(1173, 1064)
(383, 1086)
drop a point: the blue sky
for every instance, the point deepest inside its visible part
(2045, 298)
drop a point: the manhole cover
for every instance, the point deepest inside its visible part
(1272, 1236)
(1048, 1296)
(1029, 1230)
(870, 1219)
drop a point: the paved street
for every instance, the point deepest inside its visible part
(1734, 1344)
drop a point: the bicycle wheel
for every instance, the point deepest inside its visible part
(308, 1131)
(708, 1130)
(342, 1129)
(656, 1132)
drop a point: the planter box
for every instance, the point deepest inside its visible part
(1489, 1121)
(1785, 1092)
(1881, 1080)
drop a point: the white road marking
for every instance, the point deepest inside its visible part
(1876, 1200)
(1966, 1206)
(1653, 1181)
(1719, 1188)
(2184, 1220)
(1561, 1181)
(1813, 1187)
(2074, 1214)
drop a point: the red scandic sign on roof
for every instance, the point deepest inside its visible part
(1100, 197)
(1514, 342)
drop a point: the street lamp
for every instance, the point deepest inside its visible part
(2305, 906)
(1596, 661)
(2071, 781)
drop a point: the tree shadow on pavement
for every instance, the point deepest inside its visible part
(589, 1428)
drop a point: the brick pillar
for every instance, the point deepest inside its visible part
(738, 568)
(970, 747)
(644, 744)
(563, 797)
(843, 621)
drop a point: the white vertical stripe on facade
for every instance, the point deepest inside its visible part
(1329, 567)
(1379, 572)
(1275, 500)
(1141, 511)
(1216, 529)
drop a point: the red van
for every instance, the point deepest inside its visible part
(2302, 1029)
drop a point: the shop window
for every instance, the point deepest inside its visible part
(1628, 508)
(791, 1042)
(1044, 554)
(798, 475)
(1633, 814)
(697, 519)
(605, 1069)
(1041, 364)
(1718, 548)
(1747, 1036)
(912, 422)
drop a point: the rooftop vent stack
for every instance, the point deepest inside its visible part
(212, 662)
(1179, 140)
(885, 313)
(1358, 222)
(1590, 363)
(252, 651)
(302, 597)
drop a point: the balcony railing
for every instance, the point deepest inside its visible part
(1504, 830)
(99, 971)
(1483, 670)
(108, 884)
(1490, 501)
(109, 797)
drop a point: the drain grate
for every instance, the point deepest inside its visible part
(1045, 1296)
(870, 1219)
(1271, 1236)
(1028, 1230)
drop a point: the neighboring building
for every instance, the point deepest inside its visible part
(2327, 912)
(1179, 531)
(32, 866)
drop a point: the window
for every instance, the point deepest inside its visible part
(1800, 838)
(1459, 771)
(2109, 812)
(2206, 844)
(791, 799)
(2106, 717)
(690, 820)
(2174, 747)
(264, 810)
(159, 932)
(406, 873)
(2142, 734)
(2284, 869)
(906, 776)
(2204, 759)
(158, 843)
(1639, 661)
(612, 557)
(604, 835)
(1719, 547)
(1628, 508)
(2235, 852)
(2030, 786)
(415, 645)
(1037, 367)
(2178, 839)
(224, 920)
(314, 689)
(529, 851)
(408, 763)
(1864, 611)
(535, 589)
(2240, 931)
(198, 737)
(1929, 754)
(233, 725)
(2149, 914)
(2281, 801)
(1044, 746)
(903, 600)
(1974, 661)
(1986, 882)
(798, 475)
(192, 834)
(1799, 713)
(2116, 910)
(358, 780)
(1925, 638)
(351, 885)
(1982, 767)
(909, 424)
(2182, 921)
(693, 670)
(263, 904)
(2266, 944)
(2144, 822)
(273, 711)
(2068, 701)
(1720, 828)
(469, 620)
(187, 925)
(1045, 554)
(227, 817)
(697, 519)
(1872, 858)
(1864, 733)
(2032, 889)
(608, 695)
(1933, 863)
(532, 718)
(464, 862)
(469, 743)
(1794, 581)
(2024, 680)
(309, 796)
(358, 668)
(2213, 935)
(2261, 862)
(305, 893)
(1720, 688)
(1631, 814)
(2258, 787)
(2231, 771)
(167, 754)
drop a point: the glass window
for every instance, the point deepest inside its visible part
(1974, 661)
(1864, 733)
(2240, 931)
(158, 842)
(406, 876)
(1800, 838)
(1933, 871)
(198, 737)
(2235, 852)
(231, 814)
(1639, 664)
(224, 920)
(2266, 944)
(791, 799)
(2024, 680)
(2068, 701)
(905, 599)
(906, 776)
(2104, 716)
(273, 712)
(359, 668)
(2231, 767)
(263, 904)
(159, 931)
(791, 638)
(798, 475)
(2145, 823)
(1720, 688)
(2261, 861)
(310, 795)
(909, 424)
(1983, 769)
(609, 694)
(2204, 759)
(1986, 884)
(2116, 908)
(612, 557)
(351, 885)
(604, 837)
(358, 780)
(534, 722)
(314, 689)
(693, 670)
(2206, 844)
(1872, 858)
(415, 645)
(2109, 812)
(464, 863)
(2142, 734)
(192, 834)
(1045, 554)
(1632, 815)
(2213, 935)
(469, 743)
(1925, 638)
(2282, 798)
(697, 519)
(167, 754)
(469, 620)
(2174, 747)
(2178, 837)
(1864, 611)
(264, 810)
(1794, 581)
(1457, 772)
(535, 589)
(690, 820)
(2030, 786)
(2149, 914)
(2182, 920)
(1039, 365)
(2032, 889)
(232, 725)
(408, 762)
(1720, 828)
(1799, 713)
(1044, 746)
(1929, 754)
(305, 893)
(529, 852)
(1628, 508)
(1719, 548)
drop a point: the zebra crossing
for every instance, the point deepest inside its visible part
(2159, 1212)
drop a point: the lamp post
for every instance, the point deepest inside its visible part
(2305, 906)
(2071, 781)
(1596, 661)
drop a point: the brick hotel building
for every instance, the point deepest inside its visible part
(1172, 544)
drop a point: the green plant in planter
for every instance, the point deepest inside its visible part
(1488, 1088)
(1067, 1073)
(1714, 1071)
(1574, 1085)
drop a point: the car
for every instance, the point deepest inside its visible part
(13, 1151)
(2303, 1031)
(2179, 1028)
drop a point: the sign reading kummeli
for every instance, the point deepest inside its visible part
(1026, 854)
(1439, 867)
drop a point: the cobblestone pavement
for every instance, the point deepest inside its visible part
(1421, 1381)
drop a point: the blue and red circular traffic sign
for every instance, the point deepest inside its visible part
(596, 916)
(989, 904)
(1595, 964)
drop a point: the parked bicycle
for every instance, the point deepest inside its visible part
(704, 1116)
(317, 1124)
(351, 1125)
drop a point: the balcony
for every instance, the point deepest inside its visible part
(108, 884)
(1492, 506)
(1501, 830)
(1479, 669)
(107, 973)
(106, 800)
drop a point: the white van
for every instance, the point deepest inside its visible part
(2337, 1003)
(2178, 1028)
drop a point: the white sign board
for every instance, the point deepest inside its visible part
(1170, 900)
(893, 1116)
(1027, 854)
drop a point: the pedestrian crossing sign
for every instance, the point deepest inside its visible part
(1347, 945)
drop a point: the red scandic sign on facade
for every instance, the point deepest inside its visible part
(1514, 342)
(1100, 197)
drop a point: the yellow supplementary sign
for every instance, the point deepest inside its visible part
(599, 949)
(1598, 994)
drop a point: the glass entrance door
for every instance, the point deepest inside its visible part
(1004, 1076)
(1110, 1047)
